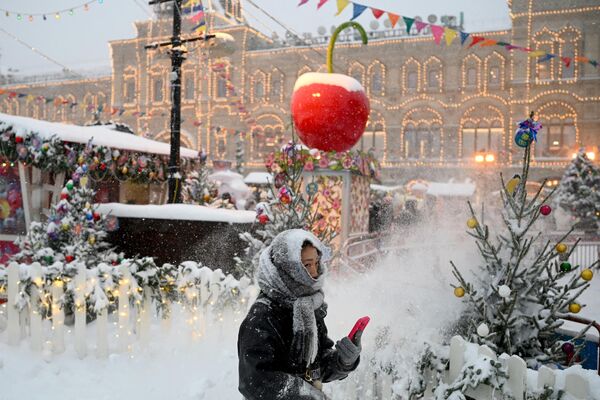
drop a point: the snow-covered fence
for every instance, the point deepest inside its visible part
(58, 313)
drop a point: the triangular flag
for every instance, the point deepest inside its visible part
(377, 13)
(302, 2)
(594, 63)
(357, 10)
(321, 2)
(511, 47)
(537, 53)
(438, 32)
(582, 59)
(393, 19)
(546, 58)
(408, 22)
(566, 61)
(449, 35)
(420, 25)
(503, 44)
(488, 42)
(475, 40)
(341, 4)
(463, 37)
(197, 17)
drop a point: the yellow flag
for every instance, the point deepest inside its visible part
(449, 34)
(29, 98)
(537, 53)
(341, 4)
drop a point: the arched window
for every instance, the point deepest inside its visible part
(471, 72)
(157, 88)
(129, 86)
(411, 76)
(376, 75)
(433, 75)
(357, 71)
(374, 139)
(560, 126)
(276, 86)
(89, 106)
(494, 71)
(569, 42)
(220, 142)
(40, 109)
(268, 136)
(481, 131)
(59, 109)
(70, 108)
(189, 86)
(101, 101)
(30, 109)
(422, 134)
(258, 86)
(545, 71)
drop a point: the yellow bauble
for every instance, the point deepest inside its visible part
(65, 227)
(561, 248)
(124, 170)
(459, 292)
(587, 274)
(80, 160)
(574, 308)
(206, 197)
(92, 240)
(472, 223)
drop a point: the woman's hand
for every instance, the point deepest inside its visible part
(348, 351)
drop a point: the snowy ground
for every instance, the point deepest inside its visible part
(409, 293)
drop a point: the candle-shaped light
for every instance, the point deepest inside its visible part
(80, 311)
(123, 325)
(35, 324)
(14, 329)
(58, 317)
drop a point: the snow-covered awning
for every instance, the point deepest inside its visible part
(101, 135)
(258, 178)
(450, 189)
(188, 212)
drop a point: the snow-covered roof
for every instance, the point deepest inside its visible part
(188, 212)
(258, 178)
(101, 135)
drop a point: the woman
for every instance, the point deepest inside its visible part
(283, 348)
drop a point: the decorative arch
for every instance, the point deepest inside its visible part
(184, 137)
(89, 105)
(358, 72)
(481, 129)
(70, 107)
(422, 136)
(471, 72)
(494, 66)
(376, 74)
(258, 87)
(561, 128)
(268, 135)
(58, 113)
(433, 75)
(276, 86)
(11, 106)
(411, 76)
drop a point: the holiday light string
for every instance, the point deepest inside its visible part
(449, 34)
(57, 14)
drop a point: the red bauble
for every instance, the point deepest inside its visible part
(102, 167)
(545, 209)
(64, 196)
(69, 258)
(330, 111)
(263, 219)
(96, 216)
(18, 139)
(115, 263)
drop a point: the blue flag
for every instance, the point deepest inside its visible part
(357, 10)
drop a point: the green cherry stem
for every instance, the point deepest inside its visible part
(334, 37)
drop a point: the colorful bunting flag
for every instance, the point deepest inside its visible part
(321, 2)
(341, 5)
(449, 35)
(438, 32)
(357, 10)
(547, 57)
(488, 43)
(408, 22)
(463, 37)
(566, 61)
(511, 47)
(377, 13)
(537, 53)
(393, 19)
(420, 25)
(475, 40)
(302, 2)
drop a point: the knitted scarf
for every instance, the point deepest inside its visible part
(282, 278)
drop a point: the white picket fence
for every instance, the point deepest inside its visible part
(115, 333)
(576, 383)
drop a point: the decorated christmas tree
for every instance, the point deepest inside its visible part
(290, 206)
(197, 188)
(579, 191)
(525, 283)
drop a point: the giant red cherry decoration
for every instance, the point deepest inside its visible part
(330, 111)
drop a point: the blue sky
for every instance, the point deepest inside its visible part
(79, 41)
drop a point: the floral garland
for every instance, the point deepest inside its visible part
(355, 161)
(99, 162)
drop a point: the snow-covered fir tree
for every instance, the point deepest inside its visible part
(197, 188)
(579, 191)
(289, 206)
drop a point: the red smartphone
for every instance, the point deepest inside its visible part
(360, 325)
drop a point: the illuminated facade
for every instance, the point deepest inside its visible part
(435, 109)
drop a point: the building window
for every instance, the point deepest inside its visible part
(157, 90)
(129, 91)
(471, 77)
(221, 87)
(276, 87)
(267, 140)
(481, 138)
(413, 79)
(422, 141)
(189, 87)
(376, 84)
(373, 140)
(494, 76)
(259, 90)
(433, 79)
(561, 138)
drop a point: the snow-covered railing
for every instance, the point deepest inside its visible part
(203, 297)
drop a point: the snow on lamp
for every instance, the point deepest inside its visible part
(330, 111)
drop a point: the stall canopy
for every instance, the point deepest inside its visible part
(258, 178)
(100, 135)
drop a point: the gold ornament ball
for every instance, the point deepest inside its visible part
(574, 308)
(472, 223)
(459, 292)
(206, 197)
(561, 248)
(65, 227)
(124, 170)
(92, 240)
(587, 274)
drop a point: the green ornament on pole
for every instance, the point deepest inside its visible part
(70, 185)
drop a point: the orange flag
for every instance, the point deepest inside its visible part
(393, 18)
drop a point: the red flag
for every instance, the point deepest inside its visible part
(321, 2)
(566, 61)
(475, 40)
(302, 2)
(377, 13)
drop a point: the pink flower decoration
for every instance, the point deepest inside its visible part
(336, 204)
(347, 163)
(309, 166)
(323, 162)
